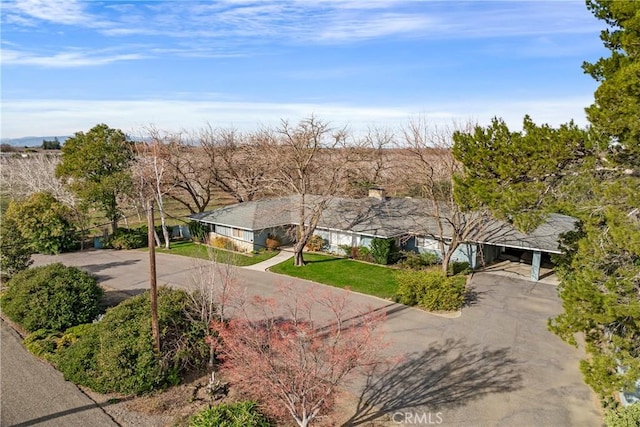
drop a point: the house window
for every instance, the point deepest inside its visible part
(237, 233)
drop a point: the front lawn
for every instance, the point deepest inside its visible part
(194, 250)
(343, 273)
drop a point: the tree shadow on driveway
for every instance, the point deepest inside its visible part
(446, 375)
(95, 268)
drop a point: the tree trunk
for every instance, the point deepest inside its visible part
(156, 237)
(165, 231)
(114, 225)
(446, 259)
(297, 255)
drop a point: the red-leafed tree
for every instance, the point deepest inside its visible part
(294, 356)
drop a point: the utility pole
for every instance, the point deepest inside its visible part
(155, 329)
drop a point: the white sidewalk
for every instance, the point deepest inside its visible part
(285, 254)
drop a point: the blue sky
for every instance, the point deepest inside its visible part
(68, 65)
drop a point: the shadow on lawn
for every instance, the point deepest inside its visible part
(445, 376)
(318, 261)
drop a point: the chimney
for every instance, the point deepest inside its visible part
(377, 193)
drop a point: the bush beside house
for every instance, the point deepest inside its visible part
(384, 251)
(316, 244)
(431, 290)
(419, 261)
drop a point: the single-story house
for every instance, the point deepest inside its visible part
(412, 222)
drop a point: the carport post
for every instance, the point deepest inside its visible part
(535, 266)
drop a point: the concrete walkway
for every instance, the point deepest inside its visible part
(285, 254)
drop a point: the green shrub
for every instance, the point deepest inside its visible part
(44, 222)
(52, 297)
(432, 290)
(384, 251)
(241, 414)
(42, 343)
(626, 416)
(116, 354)
(76, 355)
(198, 231)
(364, 254)
(346, 250)
(459, 267)
(15, 250)
(316, 244)
(124, 238)
(419, 261)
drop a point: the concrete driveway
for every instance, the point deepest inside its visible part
(496, 365)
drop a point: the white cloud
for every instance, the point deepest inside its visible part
(64, 59)
(295, 21)
(374, 27)
(67, 12)
(64, 117)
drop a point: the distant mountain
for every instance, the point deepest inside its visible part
(31, 141)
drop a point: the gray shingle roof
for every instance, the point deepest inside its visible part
(384, 218)
(544, 237)
(254, 215)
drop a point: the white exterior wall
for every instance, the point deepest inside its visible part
(336, 238)
(466, 252)
(243, 239)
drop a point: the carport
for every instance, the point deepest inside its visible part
(534, 249)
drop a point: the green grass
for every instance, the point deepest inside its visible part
(343, 273)
(194, 250)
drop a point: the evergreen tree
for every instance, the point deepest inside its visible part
(51, 145)
(593, 175)
(616, 110)
(514, 174)
(600, 272)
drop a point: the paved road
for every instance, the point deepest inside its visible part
(33, 393)
(496, 365)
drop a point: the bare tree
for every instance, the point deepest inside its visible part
(149, 173)
(189, 173)
(293, 353)
(215, 290)
(210, 160)
(378, 167)
(238, 166)
(311, 161)
(35, 173)
(23, 176)
(432, 168)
